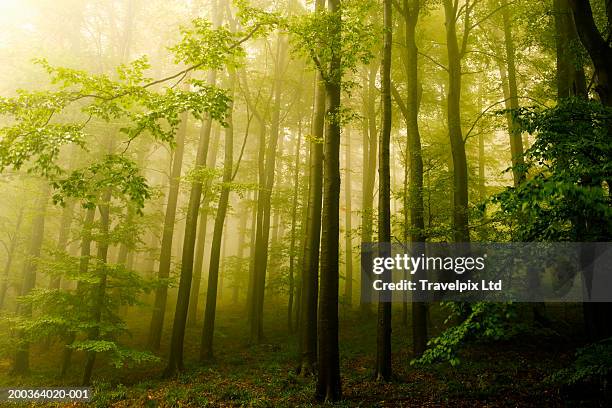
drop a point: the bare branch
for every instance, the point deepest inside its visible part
(467, 135)
(246, 135)
(433, 60)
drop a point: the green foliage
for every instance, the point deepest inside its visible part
(120, 356)
(593, 362)
(105, 394)
(64, 313)
(207, 47)
(313, 37)
(115, 172)
(569, 171)
(485, 321)
(204, 46)
(42, 122)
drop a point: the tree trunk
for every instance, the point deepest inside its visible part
(598, 48)
(516, 142)
(10, 256)
(100, 294)
(303, 242)
(175, 358)
(414, 230)
(348, 225)
(21, 364)
(251, 283)
(206, 349)
(370, 149)
(312, 235)
(383, 370)
(242, 231)
(264, 200)
(596, 315)
(461, 231)
(328, 382)
(571, 80)
(83, 267)
(165, 257)
(292, 250)
(62, 240)
(211, 162)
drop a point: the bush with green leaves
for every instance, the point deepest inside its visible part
(484, 321)
(566, 194)
(66, 315)
(593, 363)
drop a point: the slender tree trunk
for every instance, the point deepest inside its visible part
(516, 142)
(328, 382)
(277, 227)
(222, 267)
(62, 240)
(461, 231)
(348, 225)
(83, 268)
(414, 150)
(302, 250)
(312, 235)
(124, 249)
(294, 210)
(264, 200)
(165, 257)
(206, 349)
(383, 369)
(251, 284)
(100, 293)
(369, 168)
(21, 364)
(175, 358)
(10, 256)
(370, 143)
(211, 162)
(242, 231)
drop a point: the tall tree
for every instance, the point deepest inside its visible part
(165, 257)
(512, 101)
(417, 226)
(328, 381)
(370, 149)
(383, 338)
(455, 53)
(597, 46)
(100, 291)
(348, 226)
(293, 238)
(175, 359)
(264, 196)
(85, 253)
(206, 349)
(414, 220)
(596, 315)
(312, 235)
(194, 296)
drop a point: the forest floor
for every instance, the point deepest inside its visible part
(502, 374)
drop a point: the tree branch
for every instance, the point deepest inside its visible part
(398, 99)
(433, 60)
